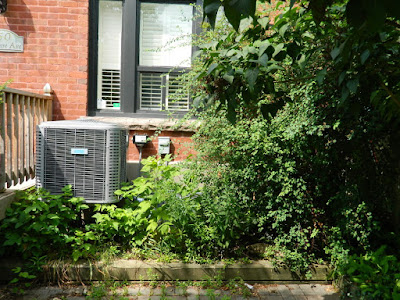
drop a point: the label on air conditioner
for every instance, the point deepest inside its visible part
(79, 151)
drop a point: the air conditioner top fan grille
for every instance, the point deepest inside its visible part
(82, 124)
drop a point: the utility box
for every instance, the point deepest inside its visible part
(164, 145)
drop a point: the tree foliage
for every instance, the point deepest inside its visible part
(352, 45)
(339, 60)
(361, 14)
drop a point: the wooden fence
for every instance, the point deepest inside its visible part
(20, 113)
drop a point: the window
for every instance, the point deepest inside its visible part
(109, 54)
(141, 47)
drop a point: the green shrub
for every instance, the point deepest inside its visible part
(41, 224)
(143, 217)
(294, 180)
(376, 275)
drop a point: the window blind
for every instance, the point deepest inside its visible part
(150, 91)
(153, 86)
(109, 54)
(165, 34)
(110, 88)
(177, 98)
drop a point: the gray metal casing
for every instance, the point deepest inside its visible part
(95, 176)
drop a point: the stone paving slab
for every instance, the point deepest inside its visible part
(146, 292)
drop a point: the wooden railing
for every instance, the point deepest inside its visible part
(20, 113)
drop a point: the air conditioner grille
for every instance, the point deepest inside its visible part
(94, 175)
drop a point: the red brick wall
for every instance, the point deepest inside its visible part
(55, 51)
(181, 143)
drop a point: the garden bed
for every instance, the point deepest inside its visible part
(136, 270)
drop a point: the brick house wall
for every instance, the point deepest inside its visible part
(55, 51)
(56, 39)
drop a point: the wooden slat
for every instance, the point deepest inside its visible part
(2, 142)
(26, 137)
(16, 128)
(43, 110)
(50, 110)
(31, 136)
(9, 142)
(35, 122)
(21, 140)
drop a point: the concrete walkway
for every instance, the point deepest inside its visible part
(145, 292)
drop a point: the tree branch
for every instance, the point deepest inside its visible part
(393, 23)
(392, 96)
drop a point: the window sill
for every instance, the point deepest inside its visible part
(151, 124)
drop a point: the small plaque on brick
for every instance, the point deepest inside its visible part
(10, 41)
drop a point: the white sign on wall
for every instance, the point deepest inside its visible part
(10, 41)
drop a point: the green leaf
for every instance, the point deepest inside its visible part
(26, 275)
(274, 67)
(341, 77)
(210, 45)
(53, 216)
(364, 56)
(231, 52)
(144, 205)
(198, 101)
(314, 233)
(76, 254)
(210, 8)
(264, 22)
(165, 228)
(152, 226)
(212, 68)
(302, 61)
(90, 235)
(87, 246)
(321, 76)
(345, 94)
(352, 85)
(251, 77)
(292, 2)
(231, 113)
(264, 45)
(335, 52)
(232, 14)
(228, 78)
(245, 8)
(14, 280)
(278, 48)
(263, 60)
(283, 29)
(356, 279)
(115, 225)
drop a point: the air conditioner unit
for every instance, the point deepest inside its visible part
(88, 155)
